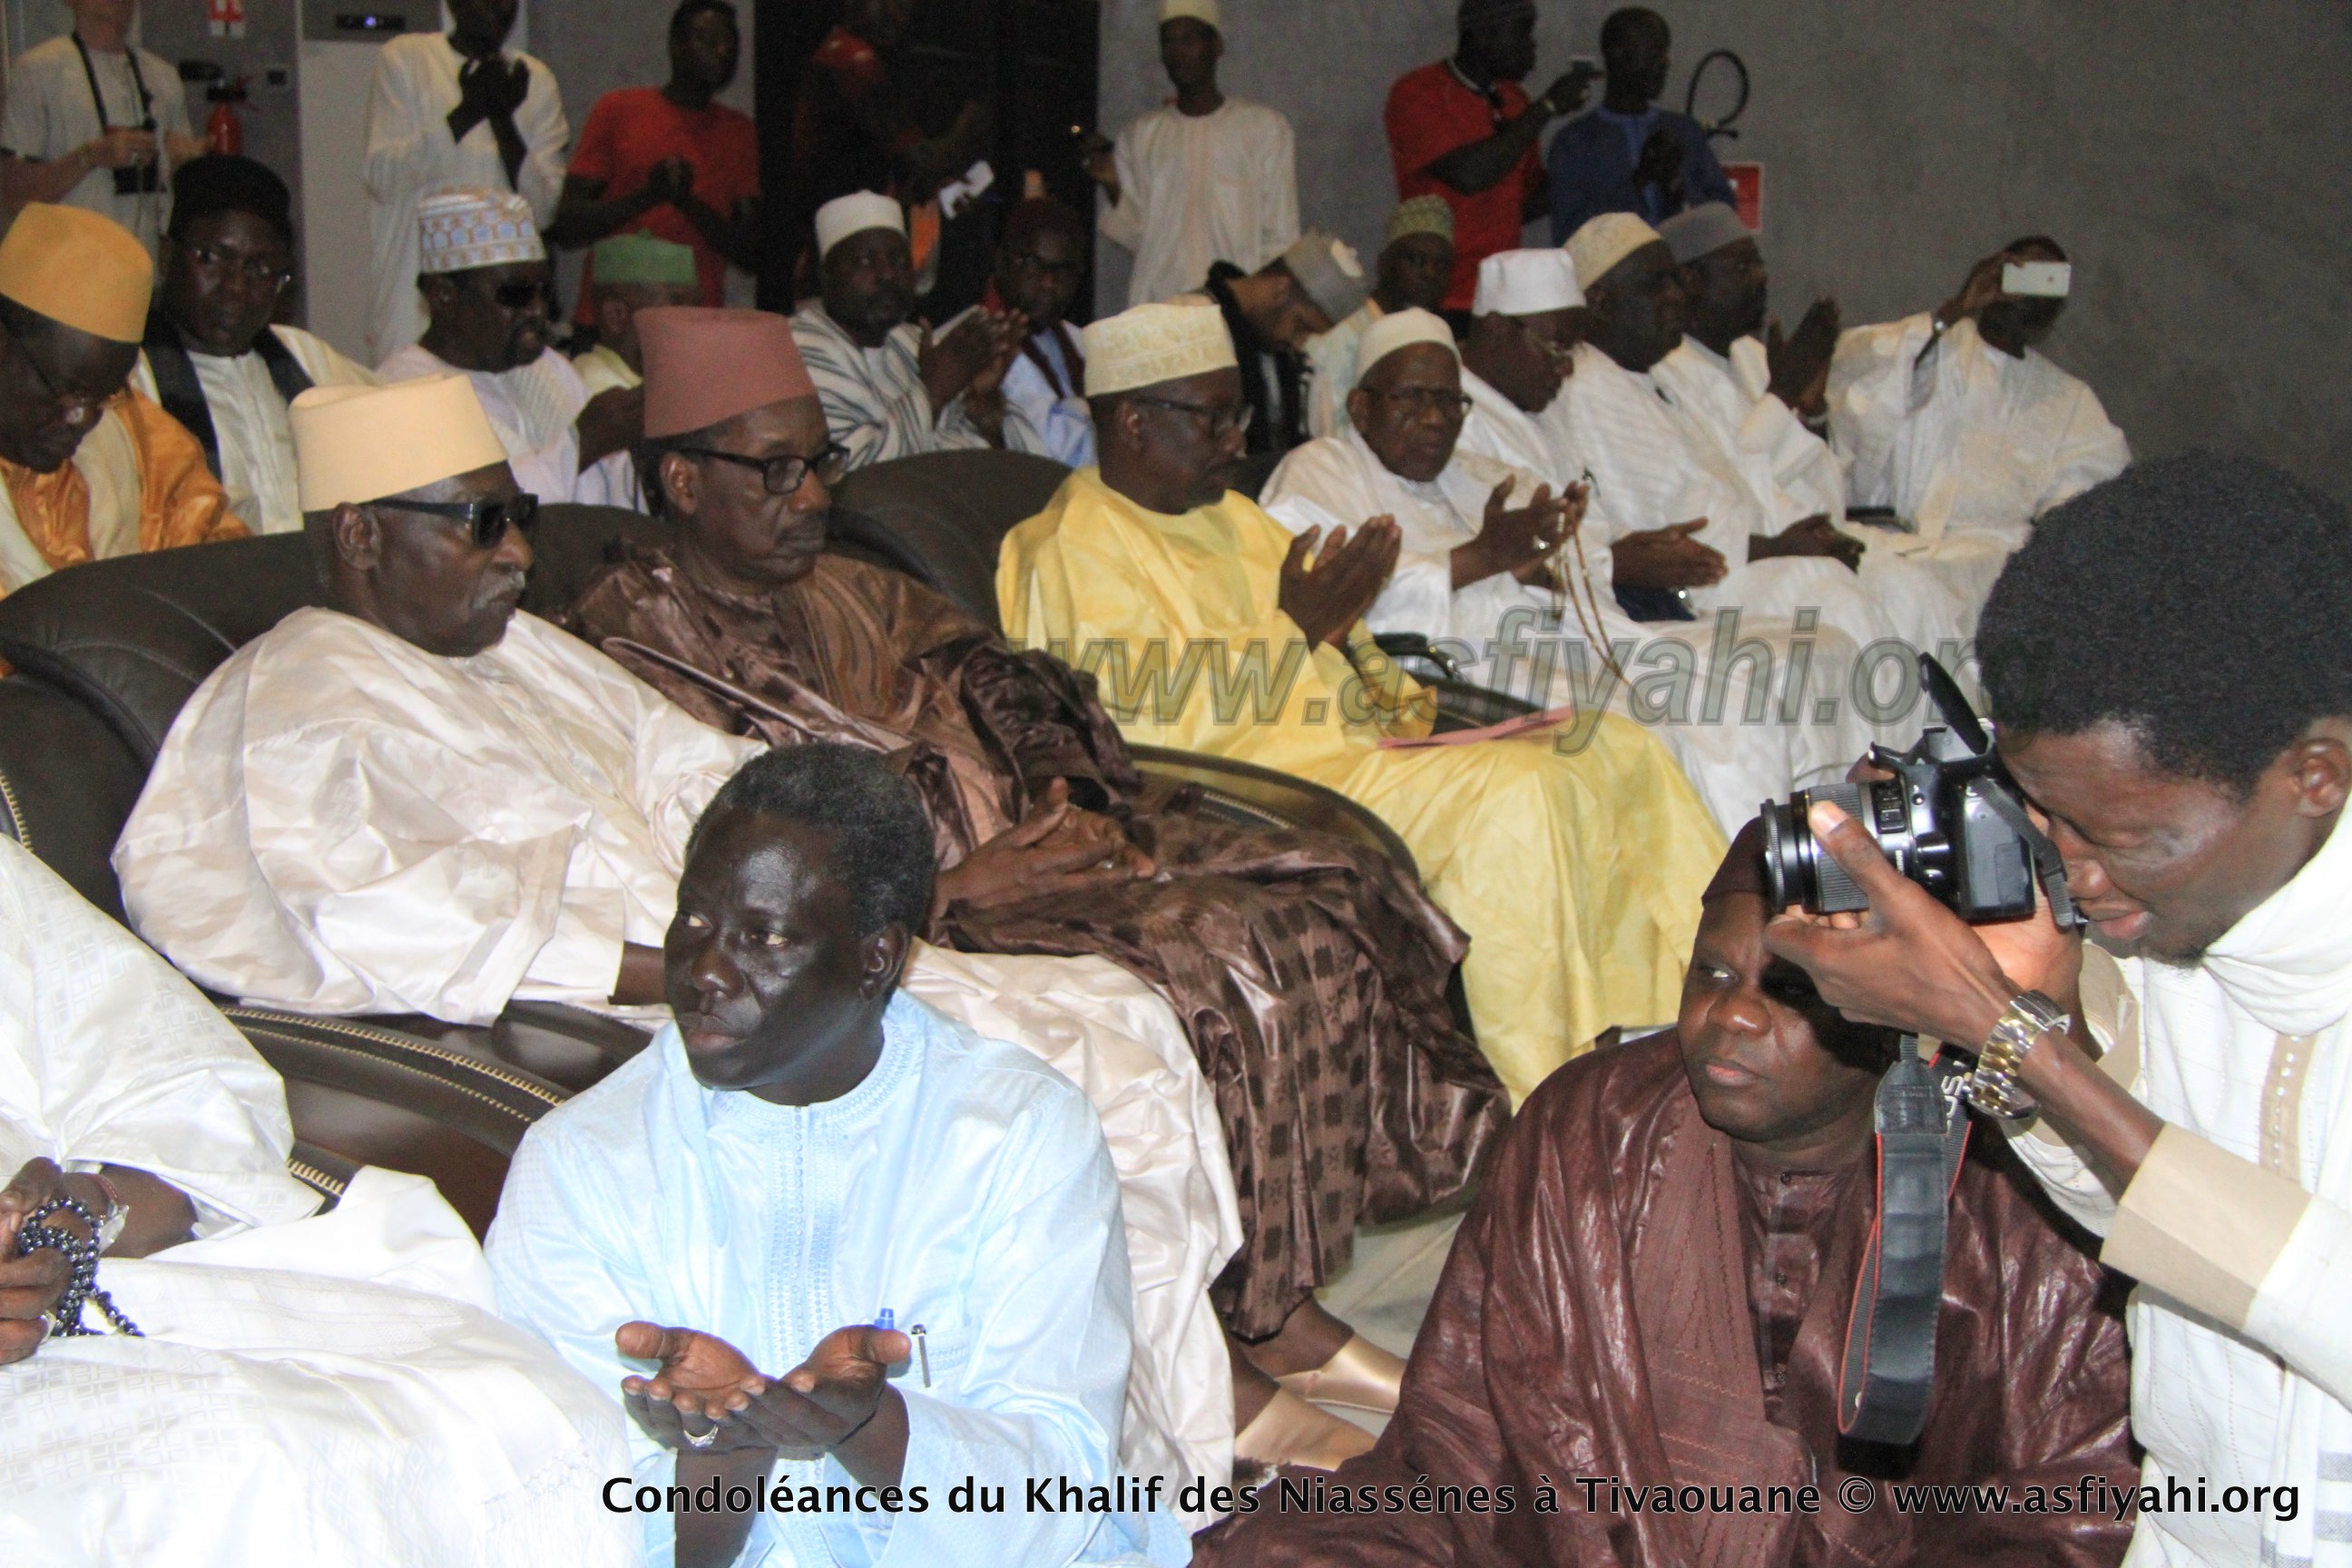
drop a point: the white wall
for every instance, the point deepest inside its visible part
(2196, 158)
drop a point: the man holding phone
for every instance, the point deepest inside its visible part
(1464, 129)
(1629, 155)
(1953, 419)
(95, 123)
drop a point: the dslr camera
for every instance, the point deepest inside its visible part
(1951, 820)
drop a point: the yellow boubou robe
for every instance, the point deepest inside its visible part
(1577, 871)
(136, 482)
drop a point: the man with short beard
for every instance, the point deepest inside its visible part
(85, 471)
(214, 359)
(1411, 273)
(1271, 315)
(486, 280)
(450, 111)
(890, 388)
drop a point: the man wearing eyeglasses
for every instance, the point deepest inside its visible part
(485, 280)
(88, 469)
(1311, 973)
(1506, 567)
(1572, 856)
(213, 358)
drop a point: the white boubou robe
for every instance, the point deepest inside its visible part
(1653, 465)
(342, 822)
(1198, 190)
(332, 1389)
(1968, 449)
(875, 401)
(962, 1187)
(410, 155)
(1790, 474)
(2238, 1226)
(1577, 648)
(249, 422)
(535, 410)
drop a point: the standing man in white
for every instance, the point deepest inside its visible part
(460, 109)
(93, 122)
(1203, 179)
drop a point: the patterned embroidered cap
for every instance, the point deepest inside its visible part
(459, 230)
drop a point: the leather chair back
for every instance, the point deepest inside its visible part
(941, 517)
(67, 783)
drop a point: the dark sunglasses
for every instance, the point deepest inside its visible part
(784, 476)
(488, 519)
(518, 296)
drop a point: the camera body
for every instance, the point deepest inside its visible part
(143, 178)
(1951, 820)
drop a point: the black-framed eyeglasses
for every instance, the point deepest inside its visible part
(1222, 422)
(519, 295)
(784, 476)
(260, 269)
(488, 519)
(1417, 401)
(74, 407)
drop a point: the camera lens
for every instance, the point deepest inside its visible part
(1796, 870)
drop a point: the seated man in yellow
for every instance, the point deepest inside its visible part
(87, 470)
(1574, 856)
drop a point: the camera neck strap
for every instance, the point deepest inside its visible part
(98, 99)
(1889, 1370)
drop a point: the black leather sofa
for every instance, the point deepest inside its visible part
(105, 655)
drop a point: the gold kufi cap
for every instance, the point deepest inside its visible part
(76, 268)
(358, 444)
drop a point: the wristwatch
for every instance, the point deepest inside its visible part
(1993, 1088)
(118, 1212)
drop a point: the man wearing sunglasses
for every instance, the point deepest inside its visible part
(486, 280)
(88, 469)
(213, 358)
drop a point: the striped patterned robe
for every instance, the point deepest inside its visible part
(875, 404)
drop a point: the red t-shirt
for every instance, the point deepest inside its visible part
(1433, 112)
(630, 131)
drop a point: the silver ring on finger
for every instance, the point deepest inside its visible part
(701, 1440)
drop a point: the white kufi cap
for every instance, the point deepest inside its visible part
(459, 230)
(358, 444)
(1402, 329)
(1204, 11)
(1605, 241)
(1154, 343)
(1527, 283)
(855, 214)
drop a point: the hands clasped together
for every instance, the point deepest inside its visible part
(1057, 849)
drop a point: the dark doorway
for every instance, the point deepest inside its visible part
(1032, 64)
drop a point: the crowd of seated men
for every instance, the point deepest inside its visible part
(1004, 1115)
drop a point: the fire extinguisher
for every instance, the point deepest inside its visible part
(224, 131)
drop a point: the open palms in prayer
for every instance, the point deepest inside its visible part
(704, 1381)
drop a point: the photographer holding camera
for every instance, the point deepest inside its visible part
(93, 122)
(2171, 663)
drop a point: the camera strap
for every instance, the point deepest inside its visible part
(98, 99)
(1889, 1370)
(2047, 867)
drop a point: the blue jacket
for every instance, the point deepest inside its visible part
(1592, 161)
